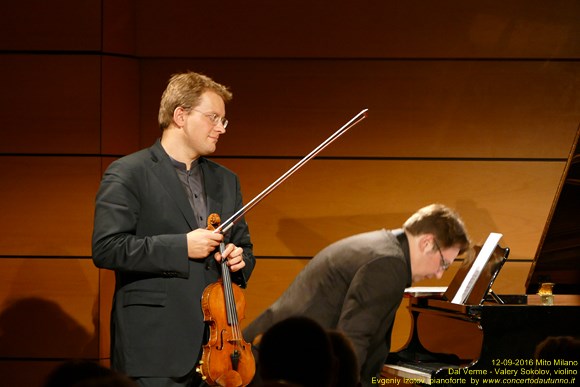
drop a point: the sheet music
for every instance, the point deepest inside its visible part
(478, 265)
(424, 291)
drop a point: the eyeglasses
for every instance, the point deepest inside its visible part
(215, 118)
(443, 264)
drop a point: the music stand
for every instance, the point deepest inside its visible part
(472, 282)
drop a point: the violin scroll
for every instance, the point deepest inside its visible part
(213, 221)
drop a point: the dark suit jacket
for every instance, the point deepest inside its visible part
(354, 285)
(142, 216)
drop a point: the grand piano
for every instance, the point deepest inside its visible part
(497, 337)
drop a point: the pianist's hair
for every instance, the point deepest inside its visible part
(441, 221)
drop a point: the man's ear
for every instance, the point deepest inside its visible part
(426, 242)
(180, 116)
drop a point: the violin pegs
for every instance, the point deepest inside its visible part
(200, 362)
(198, 370)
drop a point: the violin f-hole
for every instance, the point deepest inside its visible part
(221, 346)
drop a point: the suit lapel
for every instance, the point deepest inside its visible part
(165, 172)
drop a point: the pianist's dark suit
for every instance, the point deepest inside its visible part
(354, 285)
(142, 216)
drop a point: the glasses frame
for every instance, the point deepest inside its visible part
(443, 264)
(214, 118)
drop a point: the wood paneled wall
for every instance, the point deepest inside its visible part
(472, 105)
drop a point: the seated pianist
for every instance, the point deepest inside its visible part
(356, 285)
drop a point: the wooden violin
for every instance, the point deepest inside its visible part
(227, 360)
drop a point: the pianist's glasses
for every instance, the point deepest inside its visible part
(444, 265)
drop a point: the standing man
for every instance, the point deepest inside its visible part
(150, 228)
(356, 285)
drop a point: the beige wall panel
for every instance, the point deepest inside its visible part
(417, 29)
(48, 308)
(47, 205)
(120, 106)
(487, 109)
(50, 104)
(119, 26)
(268, 281)
(329, 199)
(154, 75)
(46, 25)
(512, 277)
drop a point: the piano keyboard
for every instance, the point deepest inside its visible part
(418, 371)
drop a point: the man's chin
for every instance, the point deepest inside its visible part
(209, 150)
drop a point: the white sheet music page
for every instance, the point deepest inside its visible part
(478, 265)
(425, 291)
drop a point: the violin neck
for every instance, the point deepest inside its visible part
(230, 301)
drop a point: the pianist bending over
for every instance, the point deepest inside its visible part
(355, 285)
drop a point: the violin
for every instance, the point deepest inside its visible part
(227, 359)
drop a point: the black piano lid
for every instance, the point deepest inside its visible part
(557, 258)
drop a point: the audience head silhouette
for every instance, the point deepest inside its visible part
(558, 347)
(296, 350)
(347, 374)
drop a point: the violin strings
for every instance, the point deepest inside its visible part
(230, 302)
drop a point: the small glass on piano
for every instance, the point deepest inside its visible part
(546, 293)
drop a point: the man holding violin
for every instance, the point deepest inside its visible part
(150, 227)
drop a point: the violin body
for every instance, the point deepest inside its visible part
(227, 360)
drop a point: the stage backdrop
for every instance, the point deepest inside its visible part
(474, 105)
